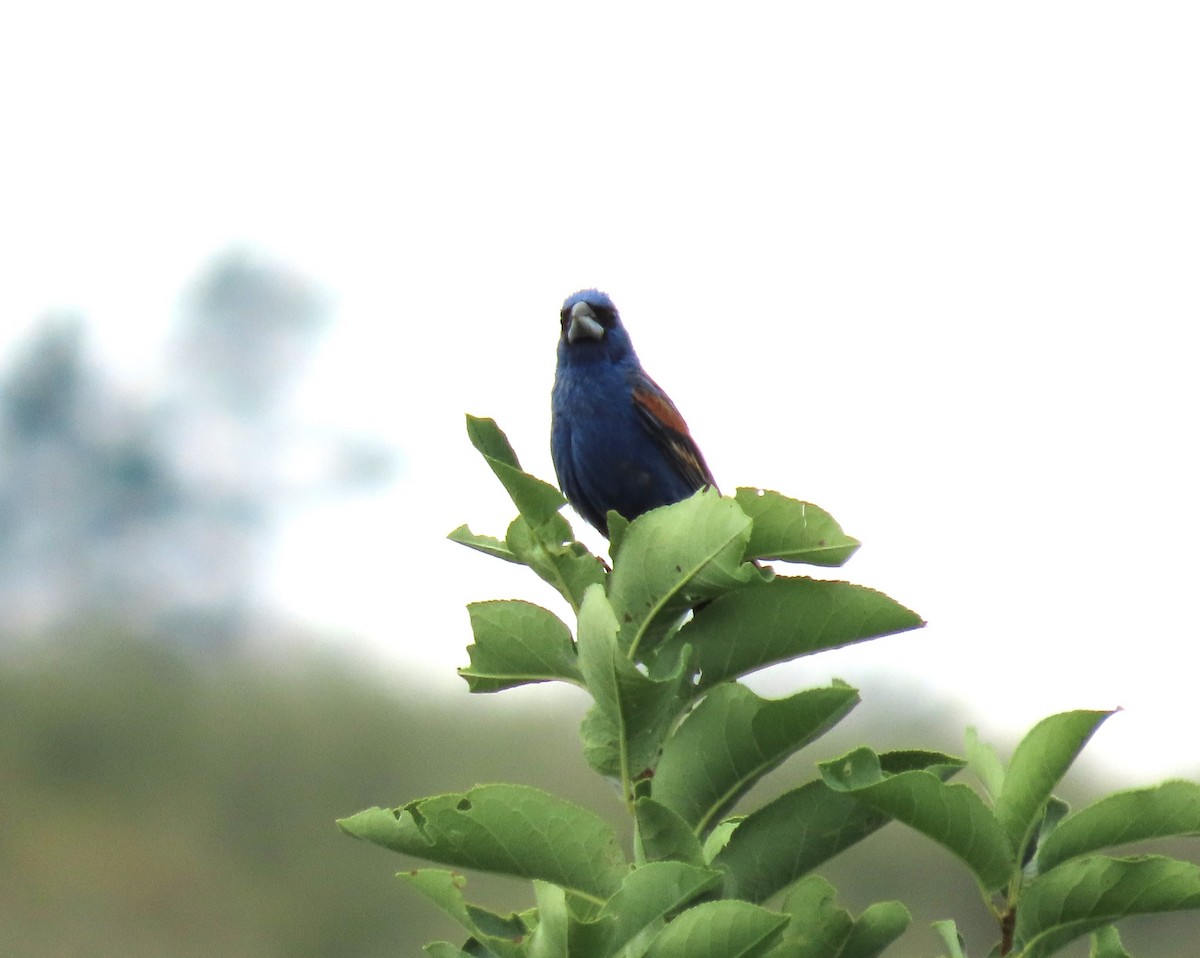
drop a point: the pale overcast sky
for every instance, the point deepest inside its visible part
(932, 266)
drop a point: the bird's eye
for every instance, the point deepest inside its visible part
(604, 317)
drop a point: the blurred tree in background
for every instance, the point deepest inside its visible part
(156, 511)
(162, 802)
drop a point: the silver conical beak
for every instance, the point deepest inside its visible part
(583, 324)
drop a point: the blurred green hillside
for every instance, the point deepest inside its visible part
(156, 802)
(163, 802)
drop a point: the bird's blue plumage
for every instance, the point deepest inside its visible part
(617, 441)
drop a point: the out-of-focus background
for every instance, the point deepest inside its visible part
(932, 268)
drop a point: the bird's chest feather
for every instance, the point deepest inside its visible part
(597, 430)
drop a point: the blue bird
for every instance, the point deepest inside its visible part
(616, 439)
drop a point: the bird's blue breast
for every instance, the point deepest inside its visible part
(603, 453)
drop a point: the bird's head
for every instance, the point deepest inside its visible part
(591, 329)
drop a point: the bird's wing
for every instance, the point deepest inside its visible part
(670, 432)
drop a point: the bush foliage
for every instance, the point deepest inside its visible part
(661, 639)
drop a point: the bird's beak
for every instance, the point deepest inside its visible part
(583, 324)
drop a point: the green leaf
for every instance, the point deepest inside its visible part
(489, 545)
(551, 936)
(1085, 894)
(820, 929)
(1038, 763)
(443, 949)
(556, 557)
(793, 531)
(672, 558)
(490, 441)
(1106, 943)
(617, 526)
(516, 643)
(1172, 808)
(649, 895)
(664, 835)
(536, 500)
(783, 619)
(790, 836)
(948, 932)
(506, 829)
(1056, 810)
(951, 814)
(718, 838)
(732, 739)
(877, 927)
(500, 934)
(985, 763)
(550, 551)
(719, 929)
(623, 731)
